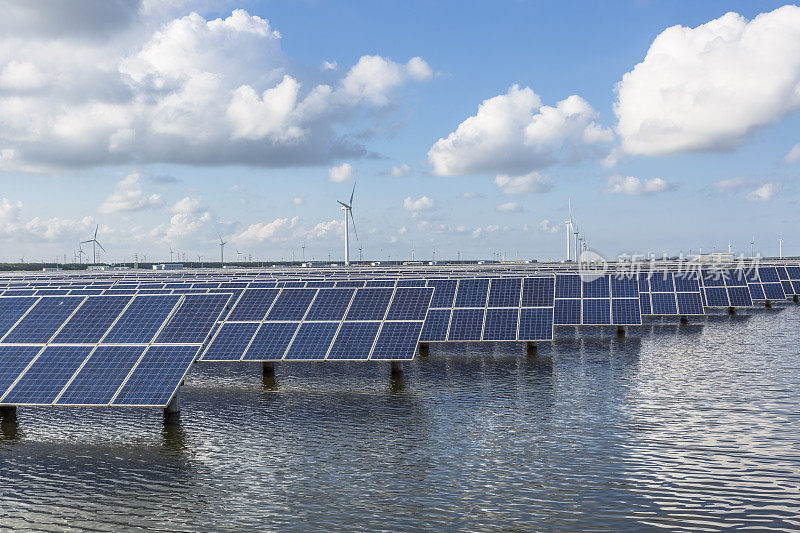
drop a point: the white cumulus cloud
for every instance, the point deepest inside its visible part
(420, 204)
(509, 207)
(635, 186)
(548, 227)
(514, 133)
(530, 182)
(128, 196)
(400, 170)
(793, 156)
(342, 173)
(708, 88)
(763, 193)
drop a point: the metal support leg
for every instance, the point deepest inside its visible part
(396, 367)
(8, 414)
(767, 304)
(424, 349)
(731, 311)
(532, 349)
(684, 319)
(795, 299)
(620, 331)
(268, 369)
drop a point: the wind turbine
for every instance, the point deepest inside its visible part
(780, 247)
(94, 242)
(730, 245)
(569, 228)
(348, 208)
(752, 244)
(171, 251)
(304, 252)
(221, 249)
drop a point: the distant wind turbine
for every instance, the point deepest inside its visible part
(171, 251)
(752, 246)
(94, 242)
(348, 208)
(569, 226)
(221, 249)
(780, 248)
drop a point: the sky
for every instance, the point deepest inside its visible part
(465, 127)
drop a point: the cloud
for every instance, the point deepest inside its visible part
(510, 207)
(128, 196)
(730, 184)
(300, 199)
(185, 91)
(15, 228)
(421, 204)
(400, 170)
(514, 133)
(547, 227)
(325, 229)
(637, 187)
(343, 172)
(468, 195)
(793, 156)
(531, 182)
(763, 193)
(164, 179)
(329, 65)
(682, 96)
(279, 229)
(188, 204)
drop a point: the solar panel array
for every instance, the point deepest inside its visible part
(666, 293)
(101, 350)
(601, 300)
(322, 323)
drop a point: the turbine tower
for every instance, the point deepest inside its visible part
(221, 249)
(569, 228)
(94, 242)
(752, 245)
(348, 208)
(780, 248)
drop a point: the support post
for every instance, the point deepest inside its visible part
(767, 304)
(424, 349)
(684, 319)
(731, 311)
(174, 405)
(396, 367)
(532, 349)
(795, 299)
(268, 369)
(620, 331)
(8, 414)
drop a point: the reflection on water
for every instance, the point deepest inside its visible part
(675, 426)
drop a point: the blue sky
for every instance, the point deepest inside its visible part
(166, 126)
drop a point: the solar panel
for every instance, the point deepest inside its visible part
(471, 293)
(370, 305)
(330, 304)
(140, 322)
(501, 324)
(13, 360)
(397, 341)
(271, 341)
(291, 304)
(409, 303)
(466, 325)
(92, 320)
(193, 319)
(436, 325)
(253, 304)
(43, 320)
(354, 340)
(12, 309)
(536, 324)
(47, 375)
(505, 292)
(312, 340)
(101, 376)
(157, 376)
(230, 342)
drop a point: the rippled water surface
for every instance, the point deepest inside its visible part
(677, 427)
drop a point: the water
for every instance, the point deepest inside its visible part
(677, 427)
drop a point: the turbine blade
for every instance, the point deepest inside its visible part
(95, 231)
(354, 223)
(352, 193)
(101, 246)
(344, 205)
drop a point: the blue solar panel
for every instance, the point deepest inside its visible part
(354, 340)
(157, 376)
(350, 283)
(472, 292)
(13, 360)
(142, 319)
(664, 303)
(312, 340)
(623, 286)
(625, 311)
(230, 343)
(687, 282)
(466, 325)
(330, 304)
(662, 282)
(369, 304)
(567, 311)
(92, 319)
(768, 275)
(597, 311)
(48, 374)
(43, 320)
(793, 272)
(740, 296)
(12, 309)
(193, 319)
(292, 304)
(253, 304)
(536, 324)
(773, 291)
(436, 324)
(380, 283)
(501, 324)
(796, 286)
(271, 341)
(596, 288)
(101, 376)
(716, 297)
(397, 341)
(713, 278)
(644, 303)
(410, 303)
(644, 282)
(538, 292)
(444, 293)
(568, 286)
(505, 292)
